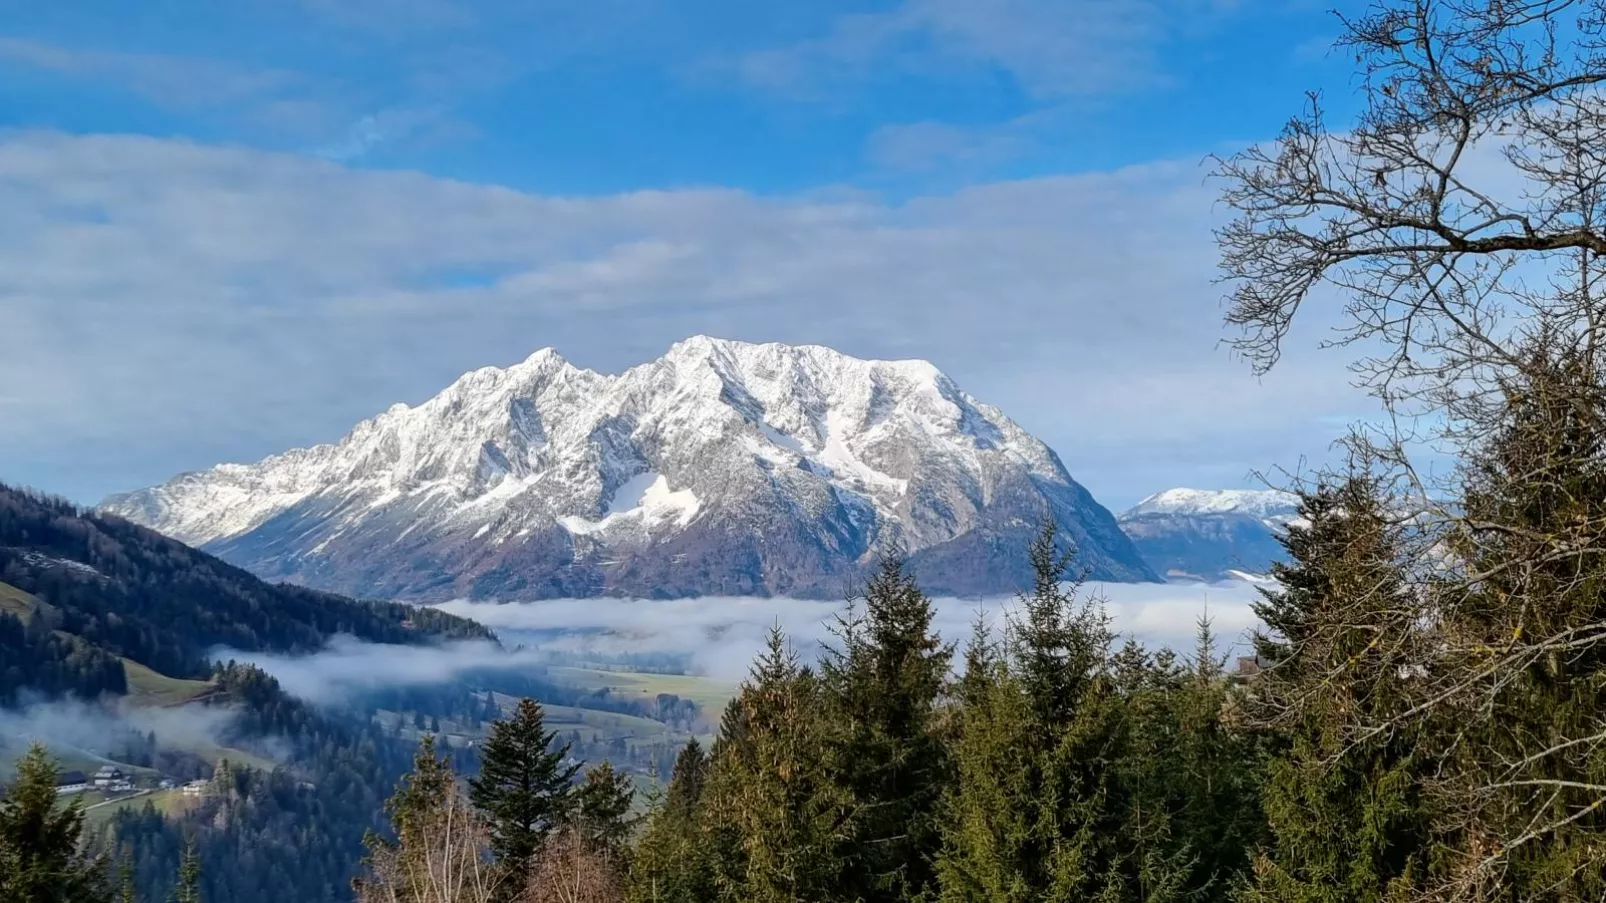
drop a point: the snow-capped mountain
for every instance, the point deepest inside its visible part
(1203, 534)
(723, 467)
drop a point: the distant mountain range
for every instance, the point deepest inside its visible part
(721, 468)
(1210, 535)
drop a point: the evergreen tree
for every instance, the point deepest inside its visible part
(126, 892)
(1215, 765)
(1344, 808)
(189, 876)
(987, 820)
(524, 787)
(603, 804)
(687, 779)
(1528, 634)
(671, 861)
(441, 851)
(410, 809)
(881, 684)
(777, 820)
(40, 856)
(1036, 813)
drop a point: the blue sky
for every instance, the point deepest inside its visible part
(227, 229)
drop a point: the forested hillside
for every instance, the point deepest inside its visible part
(78, 589)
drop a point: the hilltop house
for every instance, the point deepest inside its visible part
(196, 788)
(112, 779)
(72, 782)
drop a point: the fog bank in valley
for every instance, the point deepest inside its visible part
(714, 636)
(97, 730)
(720, 635)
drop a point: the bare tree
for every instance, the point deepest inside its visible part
(1479, 149)
(443, 857)
(1462, 220)
(569, 868)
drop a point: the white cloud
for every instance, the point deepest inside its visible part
(99, 730)
(1053, 48)
(348, 665)
(723, 634)
(168, 305)
(720, 636)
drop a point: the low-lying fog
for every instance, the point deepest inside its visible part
(714, 636)
(720, 635)
(93, 730)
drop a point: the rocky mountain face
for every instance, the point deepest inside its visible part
(721, 468)
(1194, 534)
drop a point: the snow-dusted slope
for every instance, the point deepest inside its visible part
(1269, 505)
(1208, 534)
(722, 467)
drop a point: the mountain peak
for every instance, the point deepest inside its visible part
(1210, 534)
(775, 468)
(1259, 503)
(543, 357)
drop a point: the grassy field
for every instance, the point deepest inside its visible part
(16, 602)
(710, 694)
(147, 687)
(68, 758)
(594, 724)
(216, 754)
(99, 810)
(603, 725)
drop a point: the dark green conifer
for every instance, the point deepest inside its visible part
(40, 855)
(1345, 808)
(126, 892)
(188, 889)
(525, 787)
(1215, 767)
(776, 820)
(1529, 784)
(687, 779)
(671, 861)
(1036, 813)
(419, 797)
(881, 685)
(603, 808)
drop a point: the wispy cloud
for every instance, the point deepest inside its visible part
(925, 146)
(971, 151)
(177, 82)
(389, 127)
(1054, 48)
(348, 666)
(97, 730)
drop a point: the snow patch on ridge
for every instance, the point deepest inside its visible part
(645, 499)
